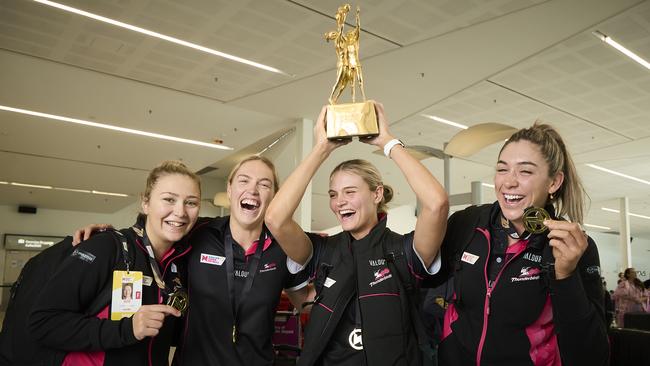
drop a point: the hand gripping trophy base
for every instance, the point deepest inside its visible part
(345, 121)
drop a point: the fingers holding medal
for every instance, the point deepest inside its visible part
(569, 242)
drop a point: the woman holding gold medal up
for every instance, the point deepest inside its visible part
(527, 287)
(133, 325)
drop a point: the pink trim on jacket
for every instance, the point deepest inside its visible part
(544, 350)
(450, 316)
(87, 358)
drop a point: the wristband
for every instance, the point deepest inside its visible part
(390, 145)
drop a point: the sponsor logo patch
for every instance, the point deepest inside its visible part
(593, 270)
(83, 255)
(329, 282)
(355, 339)
(469, 258)
(216, 260)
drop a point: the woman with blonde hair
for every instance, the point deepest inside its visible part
(237, 272)
(362, 314)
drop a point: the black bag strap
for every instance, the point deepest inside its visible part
(122, 255)
(397, 262)
(325, 265)
(463, 235)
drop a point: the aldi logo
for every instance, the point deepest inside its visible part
(215, 260)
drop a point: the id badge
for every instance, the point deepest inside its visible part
(127, 294)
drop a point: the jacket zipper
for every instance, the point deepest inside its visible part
(488, 297)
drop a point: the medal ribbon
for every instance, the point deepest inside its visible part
(157, 275)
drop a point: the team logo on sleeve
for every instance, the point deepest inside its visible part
(215, 260)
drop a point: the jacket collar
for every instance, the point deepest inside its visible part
(221, 226)
(375, 233)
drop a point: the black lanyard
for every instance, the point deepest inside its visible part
(230, 276)
(509, 228)
(125, 249)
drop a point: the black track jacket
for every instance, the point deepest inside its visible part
(59, 318)
(525, 317)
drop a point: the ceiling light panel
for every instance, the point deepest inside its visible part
(592, 226)
(618, 94)
(48, 116)
(622, 49)
(40, 186)
(161, 36)
(618, 174)
(629, 213)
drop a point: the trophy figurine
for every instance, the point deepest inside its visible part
(351, 119)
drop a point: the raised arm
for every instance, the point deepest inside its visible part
(279, 215)
(434, 204)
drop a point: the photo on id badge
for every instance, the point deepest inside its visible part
(127, 294)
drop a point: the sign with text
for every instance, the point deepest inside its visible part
(30, 242)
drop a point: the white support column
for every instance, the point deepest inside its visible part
(447, 168)
(304, 144)
(626, 250)
(477, 193)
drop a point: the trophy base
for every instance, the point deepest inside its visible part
(345, 121)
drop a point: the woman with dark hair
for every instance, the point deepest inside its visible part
(527, 287)
(628, 296)
(363, 314)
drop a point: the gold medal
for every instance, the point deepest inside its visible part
(534, 220)
(178, 300)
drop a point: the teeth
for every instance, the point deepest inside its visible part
(345, 212)
(174, 223)
(512, 196)
(250, 202)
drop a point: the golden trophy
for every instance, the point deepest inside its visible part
(349, 119)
